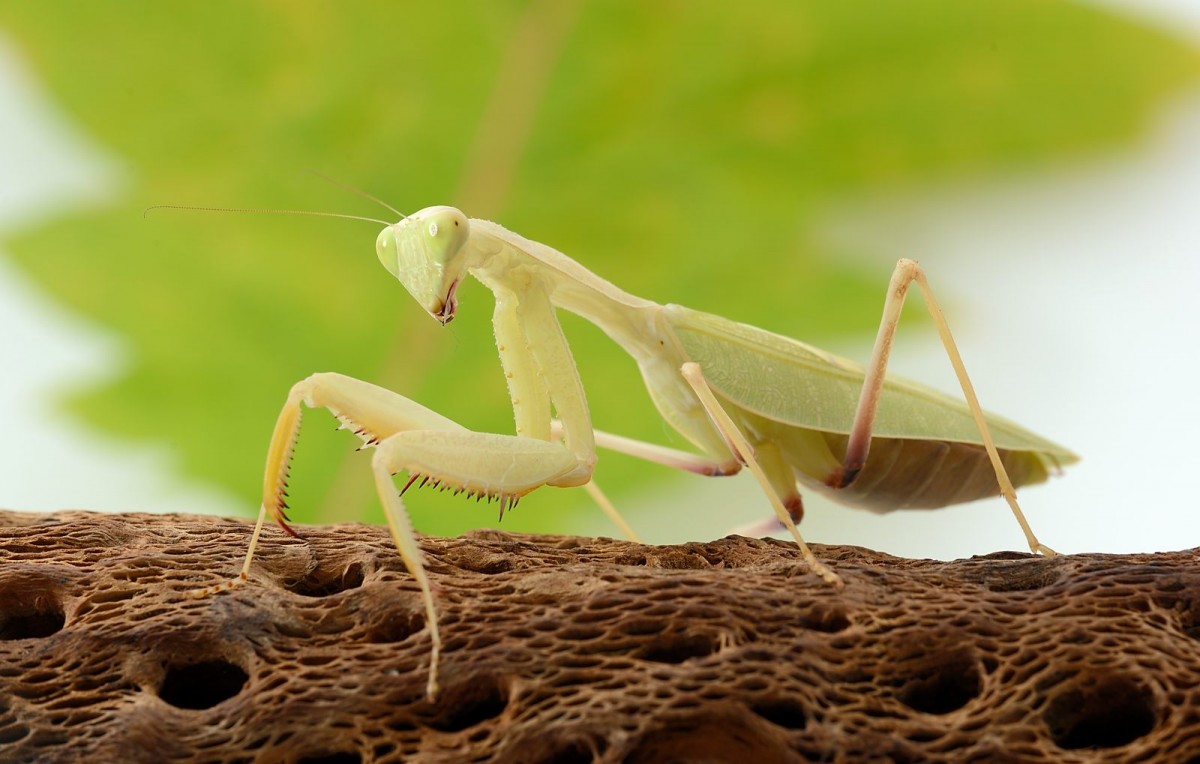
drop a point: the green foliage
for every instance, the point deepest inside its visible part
(685, 151)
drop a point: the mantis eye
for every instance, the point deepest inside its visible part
(433, 229)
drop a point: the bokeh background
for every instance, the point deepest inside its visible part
(766, 161)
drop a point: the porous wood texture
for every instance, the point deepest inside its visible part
(563, 649)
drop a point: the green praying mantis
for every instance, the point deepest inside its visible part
(795, 416)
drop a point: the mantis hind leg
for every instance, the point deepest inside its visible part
(859, 444)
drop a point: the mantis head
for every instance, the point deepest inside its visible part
(427, 252)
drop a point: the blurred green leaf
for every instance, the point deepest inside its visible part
(686, 151)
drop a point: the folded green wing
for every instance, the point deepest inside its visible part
(788, 381)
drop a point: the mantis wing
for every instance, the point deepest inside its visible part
(788, 381)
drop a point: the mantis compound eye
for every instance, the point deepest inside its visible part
(387, 250)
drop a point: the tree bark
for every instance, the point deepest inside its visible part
(565, 649)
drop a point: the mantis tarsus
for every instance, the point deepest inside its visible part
(794, 415)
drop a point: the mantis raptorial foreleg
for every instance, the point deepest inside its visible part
(410, 438)
(906, 272)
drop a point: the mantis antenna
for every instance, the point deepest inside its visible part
(322, 176)
(191, 208)
(358, 191)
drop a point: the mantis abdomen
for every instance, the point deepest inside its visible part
(906, 473)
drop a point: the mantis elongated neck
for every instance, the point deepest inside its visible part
(509, 257)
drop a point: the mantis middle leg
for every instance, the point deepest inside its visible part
(764, 461)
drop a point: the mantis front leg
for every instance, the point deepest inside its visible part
(408, 437)
(411, 438)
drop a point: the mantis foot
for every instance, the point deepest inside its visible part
(826, 573)
(1042, 549)
(208, 591)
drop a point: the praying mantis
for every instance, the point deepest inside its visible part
(793, 415)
